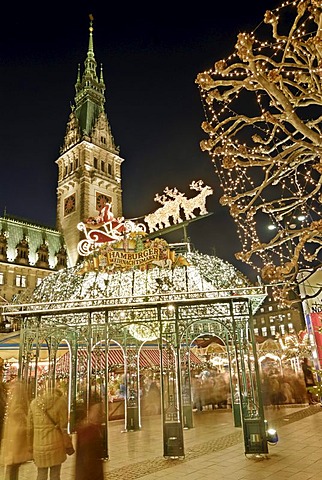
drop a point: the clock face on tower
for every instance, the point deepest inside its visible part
(101, 200)
(69, 204)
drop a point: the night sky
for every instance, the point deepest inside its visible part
(151, 54)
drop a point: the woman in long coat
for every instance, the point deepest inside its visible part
(14, 448)
(47, 419)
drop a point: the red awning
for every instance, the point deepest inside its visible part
(149, 357)
(152, 356)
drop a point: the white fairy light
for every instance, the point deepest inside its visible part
(268, 160)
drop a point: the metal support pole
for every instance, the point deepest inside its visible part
(105, 398)
(173, 445)
(252, 415)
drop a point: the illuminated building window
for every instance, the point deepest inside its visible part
(273, 329)
(282, 329)
(21, 281)
(264, 332)
(1, 278)
(39, 280)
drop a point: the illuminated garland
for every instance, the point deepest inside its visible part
(203, 273)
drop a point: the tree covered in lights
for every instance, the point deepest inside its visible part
(264, 126)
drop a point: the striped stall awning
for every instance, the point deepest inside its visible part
(149, 357)
(152, 356)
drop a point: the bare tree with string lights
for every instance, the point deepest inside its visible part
(263, 108)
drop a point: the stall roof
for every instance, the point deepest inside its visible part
(149, 357)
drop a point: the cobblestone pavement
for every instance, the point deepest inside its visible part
(214, 449)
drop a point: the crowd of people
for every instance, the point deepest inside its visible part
(37, 431)
(212, 388)
(279, 389)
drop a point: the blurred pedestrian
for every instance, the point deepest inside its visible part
(3, 402)
(196, 393)
(308, 379)
(47, 419)
(90, 446)
(14, 448)
(276, 396)
(154, 399)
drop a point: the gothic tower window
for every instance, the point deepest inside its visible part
(61, 256)
(109, 169)
(3, 246)
(103, 166)
(43, 256)
(22, 252)
(95, 162)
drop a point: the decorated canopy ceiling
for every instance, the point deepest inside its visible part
(201, 273)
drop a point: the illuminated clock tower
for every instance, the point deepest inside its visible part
(89, 165)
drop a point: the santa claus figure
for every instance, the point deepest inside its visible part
(105, 214)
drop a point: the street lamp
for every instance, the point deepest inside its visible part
(272, 227)
(271, 434)
(292, 223)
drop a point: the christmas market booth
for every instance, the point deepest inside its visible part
(131, 312)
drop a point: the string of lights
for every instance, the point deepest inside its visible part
(263, 119)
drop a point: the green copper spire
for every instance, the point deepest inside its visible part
(90, 89)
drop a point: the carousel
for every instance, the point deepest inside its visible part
(133, 312)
